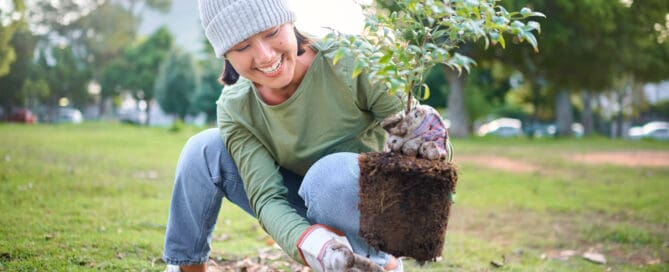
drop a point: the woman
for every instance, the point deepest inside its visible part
(291, 125)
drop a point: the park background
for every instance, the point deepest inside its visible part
(562, 152)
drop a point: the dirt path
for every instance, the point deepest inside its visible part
(622, 158)
(498, 162)
(625, 158)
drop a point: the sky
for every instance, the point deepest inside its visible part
(312, 17)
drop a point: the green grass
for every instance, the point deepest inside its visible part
(96, 196)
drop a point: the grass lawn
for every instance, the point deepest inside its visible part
(96, 196)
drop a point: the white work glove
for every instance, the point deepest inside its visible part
(326, 250)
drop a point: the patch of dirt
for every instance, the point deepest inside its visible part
(625, 158)
(404, 203)
(498, 162)
(268, 259)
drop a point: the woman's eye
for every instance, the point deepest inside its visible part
(270, 35)
(242, 48)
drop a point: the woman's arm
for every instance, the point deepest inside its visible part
(263, 184)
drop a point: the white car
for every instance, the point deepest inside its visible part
(502, 127)
(656, 130)
(69, 115)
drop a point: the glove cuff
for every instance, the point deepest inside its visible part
(314, 239)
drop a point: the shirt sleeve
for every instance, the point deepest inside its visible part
(377, 99)
(263, 184)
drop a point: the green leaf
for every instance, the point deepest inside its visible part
(538, 14)
(501, 41)
(426, 92)
(338, 55)
(530, 39)
(534, 25)
(386, 57)
(357, 70)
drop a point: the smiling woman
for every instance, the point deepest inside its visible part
(290, 127)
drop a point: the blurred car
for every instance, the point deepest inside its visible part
(656, 130)
(502, 127)
(23, 116)
(69, 115)
(550, 130)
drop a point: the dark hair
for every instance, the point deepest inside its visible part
(229, 76)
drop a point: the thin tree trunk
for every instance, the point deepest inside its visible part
(457, 112)
(534, 119)
(565, 116)
(618, 133)
(587, 118)
(148, 114)
(101, 107)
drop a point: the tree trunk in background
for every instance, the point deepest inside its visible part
(147, 122)
(587, 113)
(457, 112)
(101, 107)
(618, 132)
(565, 116)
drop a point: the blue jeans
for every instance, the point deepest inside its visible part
(205, 174)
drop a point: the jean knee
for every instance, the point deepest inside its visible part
(201, 141)
(332, 174)
(202, 150)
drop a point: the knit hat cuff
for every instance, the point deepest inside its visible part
(243, 19)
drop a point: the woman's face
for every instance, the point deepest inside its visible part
(267, 58)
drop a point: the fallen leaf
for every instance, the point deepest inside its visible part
(653, 261)
(496, 263)
(594, 257)
(568, 253)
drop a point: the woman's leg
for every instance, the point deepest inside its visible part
(203, 170)
(330, 191)
(205, 174)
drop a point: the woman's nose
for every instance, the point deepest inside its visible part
(264, 53)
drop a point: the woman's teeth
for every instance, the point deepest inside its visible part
(272, 68)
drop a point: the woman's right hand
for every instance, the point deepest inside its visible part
(327, 250)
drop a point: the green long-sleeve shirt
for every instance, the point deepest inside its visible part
(329, 112)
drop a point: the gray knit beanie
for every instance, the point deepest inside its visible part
(228, 22)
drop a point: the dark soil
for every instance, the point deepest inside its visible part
(405, 203)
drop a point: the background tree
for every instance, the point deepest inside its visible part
(585, 46)
(98, 32)
(67, 77)
(143, 63)
(10, 21)
(22, 69)
(210, 88)
(176, 84)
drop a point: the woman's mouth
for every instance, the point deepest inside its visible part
(274, 69)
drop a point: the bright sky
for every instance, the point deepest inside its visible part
(312, 15)
(342, 15)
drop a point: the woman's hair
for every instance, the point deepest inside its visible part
(229, 76)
